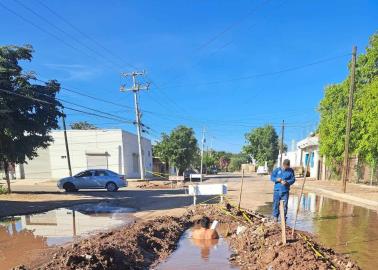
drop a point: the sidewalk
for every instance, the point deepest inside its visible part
(358, 194)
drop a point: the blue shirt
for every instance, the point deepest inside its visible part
(286, 175)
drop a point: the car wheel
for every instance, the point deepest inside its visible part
(69, 187)
(111, 187)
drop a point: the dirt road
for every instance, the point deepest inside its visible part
(149, 203)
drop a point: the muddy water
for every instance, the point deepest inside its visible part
(347, 228)
(24, 237)
(193, 254)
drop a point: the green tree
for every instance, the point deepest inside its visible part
(368, 114)
(262, 144)
(236, 161)
(84, 125)
(333, 111)
(25, 123)
(179, 148)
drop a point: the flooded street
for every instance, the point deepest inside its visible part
(347, 228)
(23, 237)
(193, 254)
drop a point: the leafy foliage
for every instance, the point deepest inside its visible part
(24, 123)
(84, 125)
(179, 148)
(236, 161)
(333, 111)
(262, 144)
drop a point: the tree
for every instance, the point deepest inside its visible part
(262, 144)
(224, 162)
(25, 123)
(236, 161)
(84, 125)
(179, 148)
(333, 110)
(368, 113)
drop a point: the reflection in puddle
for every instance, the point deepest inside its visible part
(23, 236)
(342, 226)
(199, 254)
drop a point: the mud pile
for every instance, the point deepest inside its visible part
(133, 247)
(143, 245)
(259, 246)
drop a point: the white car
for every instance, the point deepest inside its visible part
(93, 179)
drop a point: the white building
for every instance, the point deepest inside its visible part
(112, 149)
(306, 149)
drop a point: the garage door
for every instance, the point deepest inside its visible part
(97, 161)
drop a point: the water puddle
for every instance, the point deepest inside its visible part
(346, 228)
(193, 254)
(22, 237)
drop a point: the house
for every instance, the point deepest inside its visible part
(306, 152)
(112, 149)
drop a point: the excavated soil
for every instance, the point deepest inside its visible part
(143, 245)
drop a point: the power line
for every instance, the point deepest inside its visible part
(248, 77)
(69, 108)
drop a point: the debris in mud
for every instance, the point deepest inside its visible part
(133, 247)
(151, 185)
(143, 245)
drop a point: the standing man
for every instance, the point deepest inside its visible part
(282, 178)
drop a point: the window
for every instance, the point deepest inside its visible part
(101, 173)
(84, 174)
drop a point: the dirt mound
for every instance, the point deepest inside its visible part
(259, 245)
(143, 245)
(133, 247)
(150, 185)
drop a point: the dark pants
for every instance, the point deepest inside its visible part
(277, 196)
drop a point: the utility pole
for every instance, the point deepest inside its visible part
(66, 142)
(349, 120)
(282, 141)
(203, 145)
(135, 89)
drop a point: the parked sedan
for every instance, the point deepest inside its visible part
(93, 179)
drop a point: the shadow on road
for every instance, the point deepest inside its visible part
(142, 200)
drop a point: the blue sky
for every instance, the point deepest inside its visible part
(204, 58)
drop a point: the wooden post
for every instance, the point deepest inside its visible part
(241, 189)
(283, 222)
(301, 193)
(344, 175)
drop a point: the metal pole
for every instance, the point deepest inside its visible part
(203, 145)
(349, 120)
(137, 115)
(66, 142)
(282, 141)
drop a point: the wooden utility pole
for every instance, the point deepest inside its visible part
(344, 176)
(282, 141)
(241, 189)
(135, 89)
(66, 142)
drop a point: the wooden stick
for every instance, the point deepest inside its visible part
(241, 189)
(300, 195)
(283, 222)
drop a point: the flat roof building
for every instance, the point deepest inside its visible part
(112, 149)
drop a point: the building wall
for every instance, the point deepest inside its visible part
(39, 167)
(111, 149)
(131, 155)
(81, 144)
